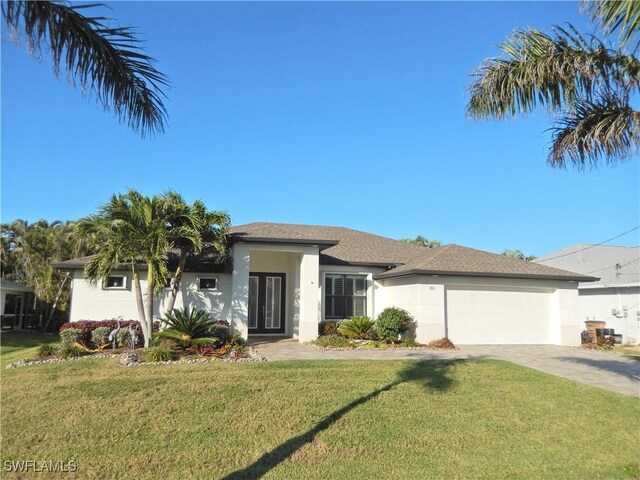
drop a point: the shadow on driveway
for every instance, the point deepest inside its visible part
(627, 369)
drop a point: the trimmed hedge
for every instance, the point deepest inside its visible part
(88, 326)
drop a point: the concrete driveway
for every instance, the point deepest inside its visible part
(604, 369)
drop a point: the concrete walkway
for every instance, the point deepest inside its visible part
(604, 369)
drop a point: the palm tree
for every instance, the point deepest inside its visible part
(422, 241)
(518, 255)
(192, 229)
(133, 229)
(587, 85)
(102, 59)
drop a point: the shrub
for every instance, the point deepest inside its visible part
(123, 338)
(443, 343)
(356, 327)
(332, 341)
(160, 353)
(188, 328)
(88, 326)
(70, 336)
(409, 342)
(605, 342)
(328, 328)
(221, 332)
(100, 336)
(69, 351)
(46, 350)
(236, 340)
(393, 322)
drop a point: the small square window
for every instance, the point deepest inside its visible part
(115, 282)
(208, 283)
(168, 282)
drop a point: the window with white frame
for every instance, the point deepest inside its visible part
(115, 282)
(207, 283)
(345, 296)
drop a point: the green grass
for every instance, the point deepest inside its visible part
(17, 345)
(461, 419)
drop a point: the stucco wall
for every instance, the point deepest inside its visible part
(599, 303)
(95, 303)
(551, 305)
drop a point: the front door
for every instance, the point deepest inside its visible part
(266, 302)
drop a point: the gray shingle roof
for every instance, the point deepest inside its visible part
(355, 247)
(599, 261)
(10, 285)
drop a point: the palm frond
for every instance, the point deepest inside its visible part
(616, 16)
(105, 61)
(548, 72)
(606, 129)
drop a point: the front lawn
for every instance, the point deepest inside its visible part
(315, 419)
(18, 345)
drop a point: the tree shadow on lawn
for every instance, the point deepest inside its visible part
(432, 374)
(12, 340)
(630, 370)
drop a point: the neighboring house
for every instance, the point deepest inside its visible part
(615, 298)
(14, 300)
(284, 279)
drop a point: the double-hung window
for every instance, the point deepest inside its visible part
(345, 296)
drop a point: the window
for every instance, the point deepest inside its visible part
(345, 296)
(168, 283)
(116, 282)
(207, 283)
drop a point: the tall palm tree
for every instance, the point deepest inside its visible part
(192, 229)
(104, 60)
(133, 229)
(587, 85)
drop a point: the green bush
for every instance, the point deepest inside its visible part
(160, 353)
(409, 342)
(100, 336)
(356, 327)
(68, 351)
(70, 336)
(46, 350)
(123, 338)
(393, 322)
(328, 328)
(222, 333)
(236, 339)
(332, 341)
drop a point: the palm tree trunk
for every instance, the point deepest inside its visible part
(139, 302)
(147, 337)
(175, 288)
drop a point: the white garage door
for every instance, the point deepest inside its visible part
(484, 316)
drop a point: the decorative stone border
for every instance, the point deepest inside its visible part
(253, 357)
(378, 349)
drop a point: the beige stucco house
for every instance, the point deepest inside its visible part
(285, 279)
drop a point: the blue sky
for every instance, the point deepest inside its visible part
(333, 113)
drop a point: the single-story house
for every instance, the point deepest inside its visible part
(615, 297)
(285, 279)
(14, 299)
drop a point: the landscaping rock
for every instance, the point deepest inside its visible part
(128, 359)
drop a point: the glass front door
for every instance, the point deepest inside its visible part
(266, 302)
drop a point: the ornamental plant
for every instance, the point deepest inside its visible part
(356, 327)
(393, 322)
(188, 328)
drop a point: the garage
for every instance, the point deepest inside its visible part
(499, 315)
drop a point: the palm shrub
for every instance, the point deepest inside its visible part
(356, 327)
(188, 328)
(393, 322)
(46, 350)
(160, 353)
